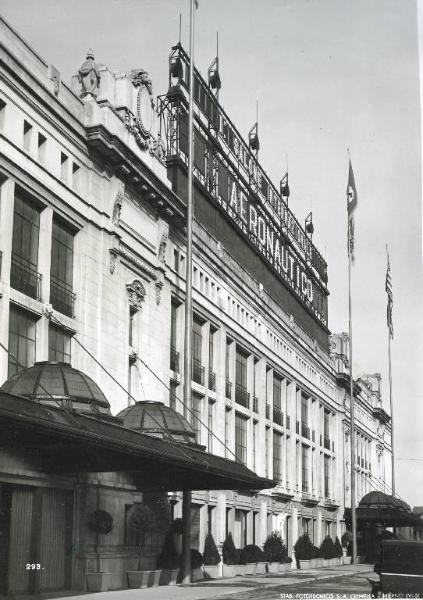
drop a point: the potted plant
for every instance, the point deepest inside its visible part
(229, 557)
(327, 548)
(304, 551)
(338, 551)
(275, 552)
(196, 565)
(168, 561)
(211, 558)
(149, 517)
(254, 557)
(346, 541)
(101, 523)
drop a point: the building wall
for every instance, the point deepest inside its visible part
(129, 266)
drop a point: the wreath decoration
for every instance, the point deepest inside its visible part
(101, 521)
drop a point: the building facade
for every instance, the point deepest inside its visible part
(92, 241)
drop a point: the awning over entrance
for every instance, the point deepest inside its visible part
(379, 509)
(67, 441)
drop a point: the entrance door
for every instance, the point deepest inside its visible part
(5, 502)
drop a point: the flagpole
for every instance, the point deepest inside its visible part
(352, 427)
(186, 499)
(391, 403)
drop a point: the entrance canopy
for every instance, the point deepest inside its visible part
(379, 509)
(70, 441)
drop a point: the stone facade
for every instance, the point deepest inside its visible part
(87, 163)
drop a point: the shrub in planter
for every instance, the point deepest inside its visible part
(177, 526)
(337, 548)
(101, 523)
(168, 557)
(211, 554)
(196, 559)
(229, 553)
(274, 549)
(327, 548)
(241, 556)
(304, 549)
(346, 538)
(253, 554)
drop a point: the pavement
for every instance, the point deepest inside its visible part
(211, 589)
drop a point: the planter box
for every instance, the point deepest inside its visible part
(284, 567)
(197, 574)
(273, 567)
(168, 576)
(251, 568)
(98, 582)
(314, 563)
(305, 564)
(143, 579)
(260, 568)
(228, 570)
(240, 569)
(346, 560)
(212, 571)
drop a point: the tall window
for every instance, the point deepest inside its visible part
(240, 438)
(26, 228)
(254, 442)
(326, 438)
(22, 328)
(277, 456)
(61, 273)
(305, 468)
(305, 429)
(172, 395)
(196, 415)
(210, 426)
(266, 451)
(326, 475)
(228, 382)
(59, 345)
(197, 338)
(241, 394)
(277, 404)
(212, 374)
(174, 354)
(227, 430)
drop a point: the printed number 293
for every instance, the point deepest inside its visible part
(33, 566)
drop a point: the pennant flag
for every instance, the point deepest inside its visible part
(351, 207)
(284, 187)
(388, 288)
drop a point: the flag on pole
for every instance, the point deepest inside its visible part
(388, 288)
(351, 207)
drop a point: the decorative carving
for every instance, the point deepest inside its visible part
(117, 206)
(118, 252)
(133, 355)
(113, 261)
(48, 310)
(161, 255)
(159, 285)
(89, 76)
(55, 79)
(379, 450)
(136, 294)
(158, 149)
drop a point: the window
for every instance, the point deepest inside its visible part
(254, 442)
(196, 415)
(61, 272)
(228, 386)
(64, 163)
(210, 427)
(326, 438)
(277, 404)
(176, 260)
(197, 339)
(26, 228)
(305, 468)
(266, 452)
(22, 329)
(212, 374)
(240, 438)
(59, 345)
(241, 394)
(277, 456)
(227, 430)
(326, 475)
(174, 354)
(172, 395)
(42, 144)
(240, 528)
(305, 429)
(27, 136)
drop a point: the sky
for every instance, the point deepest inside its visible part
(328, 76)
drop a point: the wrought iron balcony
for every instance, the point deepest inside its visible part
(305, 430)
(228, 388)
(174, 359)
(326, 442)
(242, 397)
(197, 371)
(62, 298)
(212, 380)
(267, 411)
(277, 415)
(255, 404)
(25, 278)
(288, 422)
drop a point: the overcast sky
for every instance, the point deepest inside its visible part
(329, 75)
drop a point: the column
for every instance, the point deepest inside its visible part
(319, 537)
(294, 534)
(7, 198)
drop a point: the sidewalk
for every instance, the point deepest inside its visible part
(221, 587)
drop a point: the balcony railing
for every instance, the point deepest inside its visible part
(267, 411)
(24, 278)
(326, 442)
(212, 380)
(62, 298)
(305, 430)
(228, 388)
(197, 371)
(242, 397)
(174, 359)
(255, 404)
(288, 422)
(277, 415)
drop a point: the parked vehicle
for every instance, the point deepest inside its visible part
(400, 568)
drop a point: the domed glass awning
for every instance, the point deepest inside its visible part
(70, 439)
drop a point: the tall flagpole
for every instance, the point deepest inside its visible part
(351, 205)
(186, 500)
(388, 287)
